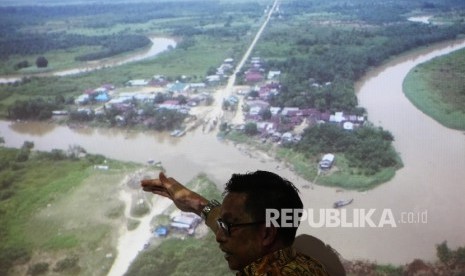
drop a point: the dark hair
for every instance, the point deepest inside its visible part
(266, 190)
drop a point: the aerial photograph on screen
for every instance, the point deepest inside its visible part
(359, 103)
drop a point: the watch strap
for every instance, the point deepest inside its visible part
(207, 209)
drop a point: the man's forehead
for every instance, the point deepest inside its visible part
(233, 205)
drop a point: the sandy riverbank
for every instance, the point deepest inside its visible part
(430, 181)
(130, 242)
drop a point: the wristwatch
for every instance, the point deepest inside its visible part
(206, 210)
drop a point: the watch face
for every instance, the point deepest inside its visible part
(208, 208)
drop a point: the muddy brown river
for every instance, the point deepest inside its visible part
(424, 203)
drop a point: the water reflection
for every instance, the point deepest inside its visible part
(32, 128)
(84, 130)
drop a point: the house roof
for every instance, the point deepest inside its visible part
(102, 97)
(138, 82)
(253, 76)
(262, 104)
(189, 220)
(178, 87)
(289, 111)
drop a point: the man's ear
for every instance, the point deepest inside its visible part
(269, 235)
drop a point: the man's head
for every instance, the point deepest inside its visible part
(247, 196)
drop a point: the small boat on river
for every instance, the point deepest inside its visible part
(177, 133)
(342, 203)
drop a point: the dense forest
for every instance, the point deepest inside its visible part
(20, 25)
(341, 48)
(26, 44)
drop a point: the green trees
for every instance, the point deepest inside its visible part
(266, 114)
(250, 129)
(311, 54)
(165, 119)
(38, 269)
(41, 62)
(450, 257)
(114, 45)
(24, 152)
(39, 109)
(367, 148)
(21, 64)
(177, 256)
(371, 154)
(81, 115)
(10, 256)
(325, 138)
(25, 44)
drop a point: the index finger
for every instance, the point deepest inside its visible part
(150, 182)
(157, 183)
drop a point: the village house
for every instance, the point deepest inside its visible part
(82, 99)
(273, 75)
(348, 122)
(118, 100)
(108, 87)
(185, 223)
(229, 61)
(170, 104)
(139, 96)
(275, 110)
(253, 76)
(213, 79)
(256, 107)
(197, 85)
(178, 88)
(266, 128)
(139, 82)
(158, 81)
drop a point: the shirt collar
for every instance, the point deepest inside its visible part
(269, 263)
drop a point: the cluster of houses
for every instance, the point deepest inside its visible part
(287, 118)
(279, 124)
(177, 95)
(221, 73)
(257, 74)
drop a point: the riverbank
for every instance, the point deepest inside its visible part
(342, 175)
(429, 180)
(432, 155)
(159, 45)
(132, 241)
(437, 89)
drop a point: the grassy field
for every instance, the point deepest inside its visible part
(63, 218)
(59, 210)
(437, 89)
